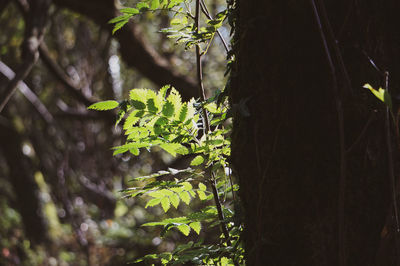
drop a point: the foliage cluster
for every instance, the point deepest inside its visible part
(197, 128)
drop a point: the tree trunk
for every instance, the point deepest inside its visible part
(308, 199)
(21, 176)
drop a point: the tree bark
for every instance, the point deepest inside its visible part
(286, 147)
(21, 177)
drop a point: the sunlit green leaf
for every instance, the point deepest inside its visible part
(184, 228)
(174, 200)
(165, 204)
(381, 94)
(174, 148)
(130, 11)
(132, 119)
(202, 195)
(197, 160)
(142, 6)
(104, 105)
(154, 4)
(187, 185)
(121, 18)
(185, 197)
(202, 186)
(153, 202)
(196, 226)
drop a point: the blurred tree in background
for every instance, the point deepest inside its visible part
(59, 183)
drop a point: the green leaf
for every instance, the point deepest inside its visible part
(134, 151)
(168, 109)
(147, 257)
(132, 119)
(197, 160)
(153, 202)
(183, 112)
(165, 204)
(196, 226)
(381, 94)
(137, 133)
(175, 98)
(139, 98)
(142, 6)
(138, 104)
(153, 223)
(187, 186)
(202, 186)
(129, 11)
(119, 25)
(184, 228)
(212, 108)
(166, 256)
(174, 198)
(151, 106)
(154, 4)
(118, 19)
(158, 130)
(104, 105)
(174, 148)
(202, 195)
(156, 194)
(163, 91)
(177, 21)
(185, 197)
(129, 146)
(120, 116)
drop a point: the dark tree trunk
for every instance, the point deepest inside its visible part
(286, 142)
(21, 176)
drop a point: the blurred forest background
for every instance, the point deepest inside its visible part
(59, 183)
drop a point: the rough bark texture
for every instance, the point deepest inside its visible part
(286, 153)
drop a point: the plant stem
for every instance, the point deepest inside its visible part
(207, 13)
(224, 229)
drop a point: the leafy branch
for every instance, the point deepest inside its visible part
(197, 127)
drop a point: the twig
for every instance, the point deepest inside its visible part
(62, 77)
(35, 21)
(52, 65)
(339, 109)
(21, 74)
(335, 46)
(28, 93)
(208, 15)
(221, 218)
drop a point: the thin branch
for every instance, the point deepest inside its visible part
(200, 70)
(28, 93)
(221, 218)
(59, 73)
(335, 46)
(52, 65)
(208, 15)
(339, 109)
(35, 22)
(20, 75)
